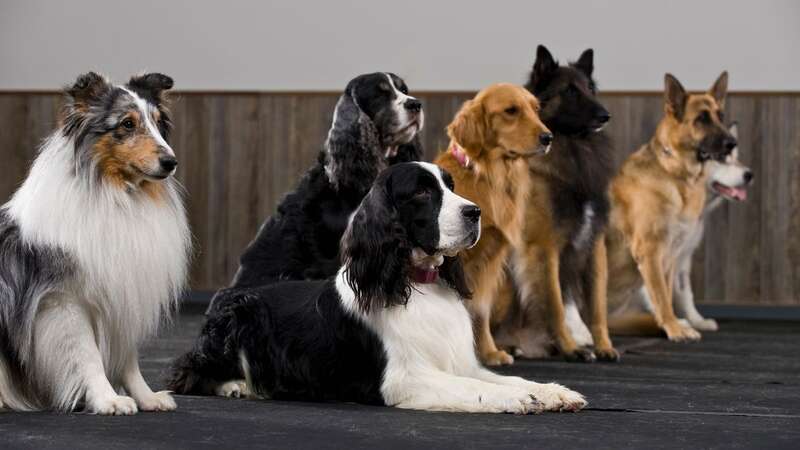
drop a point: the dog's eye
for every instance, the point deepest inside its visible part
(128, 124)
(511, 110)
(704, 117)
(422, 193)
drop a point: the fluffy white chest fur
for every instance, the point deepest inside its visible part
(130, 251)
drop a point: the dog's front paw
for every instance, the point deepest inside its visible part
(609, 354)
(677, 332)
(158, 401)
(555, 397)
(117, 405)
(497, 358)
(705, 324)
(580, 355)
(512, 401)
(232, 389)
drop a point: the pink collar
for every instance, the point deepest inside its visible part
(425, 276)
(460, 154)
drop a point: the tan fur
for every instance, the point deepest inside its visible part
(497, 129)
(656, 199)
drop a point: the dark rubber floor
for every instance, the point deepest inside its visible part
(738, 388)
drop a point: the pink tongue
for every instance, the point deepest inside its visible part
(737, 193)
(425, 276)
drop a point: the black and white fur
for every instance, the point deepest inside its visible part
(89, 269)
(370, 333)
(727, 180)
(375, 125)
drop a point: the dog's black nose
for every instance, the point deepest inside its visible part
(604, 117)
(413, 105)
(748, 176)
(730, 143)
(168, 163)
(546, 138)
(471, 212)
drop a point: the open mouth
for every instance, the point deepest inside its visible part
(735, 193)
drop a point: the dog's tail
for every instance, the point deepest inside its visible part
(635, 324)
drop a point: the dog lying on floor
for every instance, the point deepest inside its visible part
(657, 201)
(375, 125)
(727, 180)
(491, 139)
(390, 328)
(94, 250)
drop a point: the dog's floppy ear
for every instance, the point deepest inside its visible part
(586, 62)
(674, 96)
(452, 272)
(353, 151)
(152, 87)
(468, 128)
(412, 151)
(376, 252)
(720, 89)
(543, 67)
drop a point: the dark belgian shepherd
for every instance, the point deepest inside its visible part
(560, 271)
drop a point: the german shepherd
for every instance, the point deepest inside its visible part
(560, 268)
(658, 199)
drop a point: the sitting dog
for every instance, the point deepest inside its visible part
(390, 328)
(375, 125)
(727, 180)
(560, 268)
(93, 253)
(657, 201)
(491, 139)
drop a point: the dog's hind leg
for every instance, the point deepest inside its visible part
(68, 364)
(136, 387)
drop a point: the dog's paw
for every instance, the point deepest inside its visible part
(555, 397)
(705, 324)
(117, 405)
(580, 355)
(158, 401)
(497, 358)
(607, 354)
(677, 332)
(512, 401)
(232, 389)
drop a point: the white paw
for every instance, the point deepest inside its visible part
(234, 388)
(555, 397)
(705, 324)
(158, 401)
(510, 400)
(117, 405)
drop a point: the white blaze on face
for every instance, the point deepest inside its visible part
(730, 173)
(399, 107)
(146, 111)
(454, 228)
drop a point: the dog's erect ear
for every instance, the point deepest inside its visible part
(353, 150)
(376, 252)
(586, 62)
(452, 272)
(543, 67)
(88, 89)
(468, 128)
(412, 151)
(151, 86)
(720, 89)
(674, 96)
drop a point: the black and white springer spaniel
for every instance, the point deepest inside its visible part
(375, 124)
(389, 328)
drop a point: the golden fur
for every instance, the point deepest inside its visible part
(656, 199)
(497, 130)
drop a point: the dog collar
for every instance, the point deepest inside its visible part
(425, 276)
(460, 154)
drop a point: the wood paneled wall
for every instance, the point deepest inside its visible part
(239, 153)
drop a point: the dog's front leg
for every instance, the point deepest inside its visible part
(649, 254)
(68, 362)
(555, 306)
(136, 387)
(683, 299)
(553, 397)
(599, 302)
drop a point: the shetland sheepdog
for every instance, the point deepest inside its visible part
(93, 253)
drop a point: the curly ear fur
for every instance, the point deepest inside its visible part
(468, 128)
(376, 252)
(452, 272)
(353, 148)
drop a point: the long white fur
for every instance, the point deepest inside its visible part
(131, 254)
